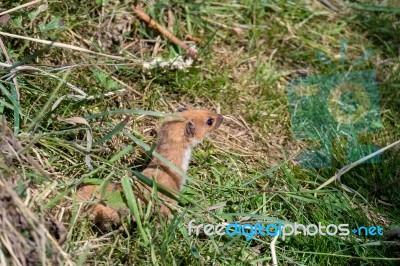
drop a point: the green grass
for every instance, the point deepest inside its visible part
(248, 52)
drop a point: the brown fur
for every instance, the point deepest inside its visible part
(176, 138)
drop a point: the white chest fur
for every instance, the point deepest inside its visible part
(186, 159)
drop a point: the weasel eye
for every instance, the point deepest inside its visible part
(210, 121)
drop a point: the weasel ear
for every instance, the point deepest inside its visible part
(181, 109)
(190, 129)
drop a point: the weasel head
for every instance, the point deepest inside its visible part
(198, 124)
(189, 128)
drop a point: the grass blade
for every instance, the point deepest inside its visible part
(132, 204)
(47, 105)
(113, 132)
(129, 112)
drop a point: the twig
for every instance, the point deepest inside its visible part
(329, 5)
(348, 167)
(146, 18)
(31, 68)
(273, 249)
(82, 95)
(19, 68)
(63, 45)
(19, 7)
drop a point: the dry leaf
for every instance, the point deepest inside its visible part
(4, 19)
(75, 120)
(42, 8)
(89, 137)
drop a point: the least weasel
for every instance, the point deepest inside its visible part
(175, 141)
